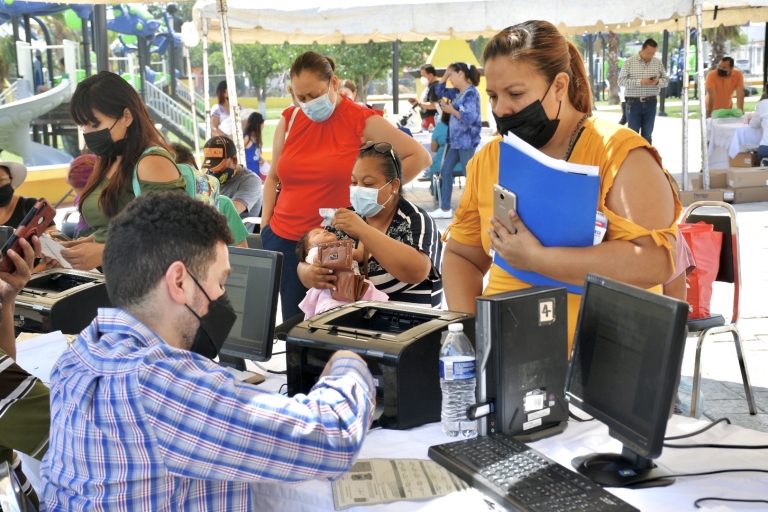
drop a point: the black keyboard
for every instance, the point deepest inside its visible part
(521, 478)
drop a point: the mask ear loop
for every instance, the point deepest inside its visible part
(559, 104)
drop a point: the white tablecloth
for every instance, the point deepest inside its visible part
(578, 439)
(726, 138)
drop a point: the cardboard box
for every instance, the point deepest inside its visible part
(750, 195)
(744, 159)
(741, 177)
(717, 179)
(715, 194)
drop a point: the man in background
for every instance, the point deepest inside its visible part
(143, 419)
(237, 183)
(721, 83)
(643, 76)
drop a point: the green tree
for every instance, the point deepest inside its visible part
(718, 37)
(261, 61)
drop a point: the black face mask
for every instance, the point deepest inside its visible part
(722, 72)
(6, 194)
(530, 124)
(214, 325)
(101, 143)
(224, 175)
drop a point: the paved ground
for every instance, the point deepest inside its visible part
(722, 388)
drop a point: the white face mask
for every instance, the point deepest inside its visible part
(365, 200)
(424, 81)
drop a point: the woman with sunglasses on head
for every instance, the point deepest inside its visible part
(400, 241)
(314, 148)
(538, 89)
(118, 130)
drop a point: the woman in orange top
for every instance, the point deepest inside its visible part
(539, 91)
(313, 152)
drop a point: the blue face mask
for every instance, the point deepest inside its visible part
(365, 200)
(319, 109)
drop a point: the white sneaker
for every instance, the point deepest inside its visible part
(441, 214)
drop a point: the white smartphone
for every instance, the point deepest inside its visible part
(503, 201)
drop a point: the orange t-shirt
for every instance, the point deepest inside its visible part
(603, 144)
(315, 167)
(723, 87)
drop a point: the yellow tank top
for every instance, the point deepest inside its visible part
(601, 143)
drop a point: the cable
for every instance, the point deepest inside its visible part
(705, 473)
(276, 372)
(738, 500)
(278, 353)
(697, 432)
(723, 446)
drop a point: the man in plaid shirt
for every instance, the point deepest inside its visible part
(141, 419)
(643, 76)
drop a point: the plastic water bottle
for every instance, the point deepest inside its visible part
(457, 381)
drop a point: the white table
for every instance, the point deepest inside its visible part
(578, 439)
(727, 137)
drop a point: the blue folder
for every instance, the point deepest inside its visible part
(556, 200)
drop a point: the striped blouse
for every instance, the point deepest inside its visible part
(412, 226)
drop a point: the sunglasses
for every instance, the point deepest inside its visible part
(383, 148)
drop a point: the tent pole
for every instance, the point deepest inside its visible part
(684, 93)
(702, 89)
(765, 57)
(664, 61)
(191, 83)
(206, 81)
(396, 76)
(229, 70)
(100, 44)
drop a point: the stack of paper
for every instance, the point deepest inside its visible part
(556, 200)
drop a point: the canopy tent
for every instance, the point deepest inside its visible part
(334, 21)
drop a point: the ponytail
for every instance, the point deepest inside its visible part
(469, 70)
(579, 91)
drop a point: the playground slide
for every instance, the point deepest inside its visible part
(14, 126)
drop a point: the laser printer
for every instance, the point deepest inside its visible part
(63, 300)
(399, 342)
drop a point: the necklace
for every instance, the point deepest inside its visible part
(575, 136)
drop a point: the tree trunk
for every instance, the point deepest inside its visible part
(613, 68)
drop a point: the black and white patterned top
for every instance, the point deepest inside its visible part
(412, 226)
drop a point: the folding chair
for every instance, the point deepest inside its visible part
(730, 272)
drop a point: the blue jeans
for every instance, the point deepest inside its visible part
(640, 117)
(291, 290)
(451, 158)
(762, 152)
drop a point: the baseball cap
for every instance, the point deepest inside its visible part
(18, 173)
(217, 149)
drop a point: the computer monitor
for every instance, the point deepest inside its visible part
(253, 286)
(624, 371)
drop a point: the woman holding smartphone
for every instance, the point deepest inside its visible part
(539, 90)
(117, 128)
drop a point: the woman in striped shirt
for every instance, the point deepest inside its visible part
(401, 239)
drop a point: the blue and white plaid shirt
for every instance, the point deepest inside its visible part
(139, 425)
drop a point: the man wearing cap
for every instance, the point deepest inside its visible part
(13, 208)
(237, 183)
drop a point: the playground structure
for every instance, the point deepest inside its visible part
(30, 111)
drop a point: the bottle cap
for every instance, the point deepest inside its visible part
(455, 327)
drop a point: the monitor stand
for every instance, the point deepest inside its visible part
(236, 366)
(626, 470)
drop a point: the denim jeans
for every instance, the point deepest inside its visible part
(451, 158)
(291, 290)
(640, 117)
(762, 152)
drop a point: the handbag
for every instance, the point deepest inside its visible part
(350, 287)
(705, 243)
(336, 255)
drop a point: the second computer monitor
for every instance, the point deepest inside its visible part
(624, 370)
(253, 286)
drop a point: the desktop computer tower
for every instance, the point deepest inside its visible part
(522, 359)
